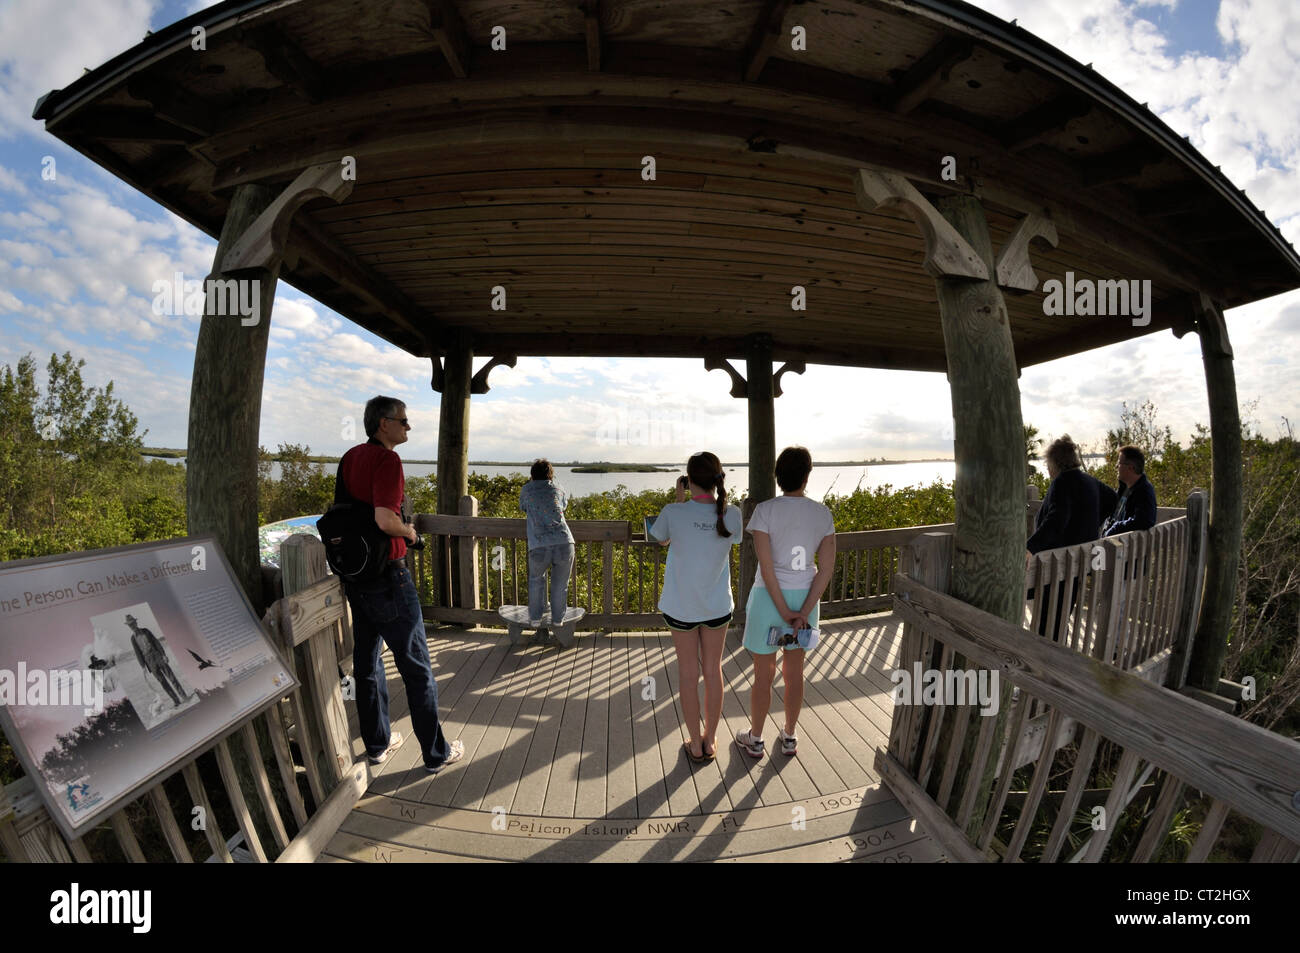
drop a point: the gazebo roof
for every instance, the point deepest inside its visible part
(523, 168)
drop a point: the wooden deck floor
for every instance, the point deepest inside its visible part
(575, 755)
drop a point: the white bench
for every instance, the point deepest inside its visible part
(516, 620)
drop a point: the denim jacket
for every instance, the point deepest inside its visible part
(544, 502)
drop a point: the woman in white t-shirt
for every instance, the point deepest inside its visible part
(787, 531)
(696, 600)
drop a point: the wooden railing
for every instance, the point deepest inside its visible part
(1145, 765)
(617, 574)
(312, 773)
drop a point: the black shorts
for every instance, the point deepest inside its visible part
(691, 626)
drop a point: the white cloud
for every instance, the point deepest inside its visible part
(45, 46)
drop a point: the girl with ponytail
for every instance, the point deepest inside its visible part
(699, 531)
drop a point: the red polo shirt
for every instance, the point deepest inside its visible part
(373, 474)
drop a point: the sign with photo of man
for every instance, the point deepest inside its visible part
(115, 666)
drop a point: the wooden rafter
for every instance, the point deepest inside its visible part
(286, 62)
(174, 104)
(127, 124)
(927, 74)
(448, 30)
(764, 38)
(1042, 122)
(1120, 165)
(591, 23)
(1162, 203)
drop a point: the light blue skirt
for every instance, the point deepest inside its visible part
(761, 615)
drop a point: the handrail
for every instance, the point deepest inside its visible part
(1237, 764)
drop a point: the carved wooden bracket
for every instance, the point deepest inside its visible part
(479, 383)
(947, 254)
(263, 242)
(738, 386)
(436, 381)
(1209, 324)
(1013, 270)
(795, 367)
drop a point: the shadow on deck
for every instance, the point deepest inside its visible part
(576, 755)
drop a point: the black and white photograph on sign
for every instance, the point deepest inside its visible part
(122, 662)
(145, 669)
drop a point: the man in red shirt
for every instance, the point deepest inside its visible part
(387, 610)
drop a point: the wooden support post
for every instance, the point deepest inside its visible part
(1224, 539)
(468, 548)
(226, 405)
(928, 560)
(762, 442)
(1189, 607)
(988, 568)
(453, 437)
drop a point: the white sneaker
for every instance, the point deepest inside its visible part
(455, 754)
(394, 742)
(789, 743)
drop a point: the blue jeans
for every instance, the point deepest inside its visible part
(559, 560)
(387, 611)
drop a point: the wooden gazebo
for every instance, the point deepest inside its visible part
(874, 183)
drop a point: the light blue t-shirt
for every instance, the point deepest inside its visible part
(697, 579)
(544, 502)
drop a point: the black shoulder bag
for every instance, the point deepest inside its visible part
(355, 547)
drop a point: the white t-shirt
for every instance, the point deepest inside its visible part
(697, 577)
(795, 526)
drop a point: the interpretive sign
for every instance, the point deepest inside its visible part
(117, 665)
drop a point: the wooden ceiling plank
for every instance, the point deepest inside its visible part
(322, 252)
(174, 104)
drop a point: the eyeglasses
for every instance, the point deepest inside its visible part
(401, 420)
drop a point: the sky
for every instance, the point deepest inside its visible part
(79, 256)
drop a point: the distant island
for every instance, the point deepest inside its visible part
(620, 468)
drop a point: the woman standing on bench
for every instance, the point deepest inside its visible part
(699, 531)
(550, 544)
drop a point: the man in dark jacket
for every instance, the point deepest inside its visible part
(1067, 517)
(1135, 508)
(1069, 511)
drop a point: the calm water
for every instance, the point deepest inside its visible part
(839, 480)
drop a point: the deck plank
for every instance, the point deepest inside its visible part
(465, 719)
(651, 787)
(511, 767)
(474, 782)
(593, 765)
(530, 796)
(562, 788)
(620, 782)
